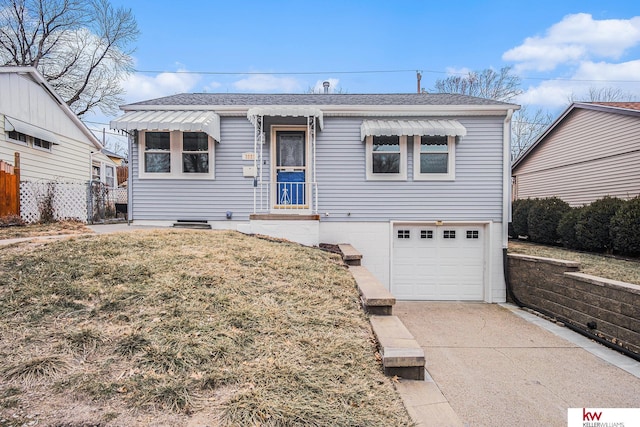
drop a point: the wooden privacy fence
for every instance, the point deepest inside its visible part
(10, 187)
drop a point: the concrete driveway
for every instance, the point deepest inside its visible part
(500, 366)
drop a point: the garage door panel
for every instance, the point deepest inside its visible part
(438, 263)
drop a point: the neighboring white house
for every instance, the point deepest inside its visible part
(53, 143)
(418, 183)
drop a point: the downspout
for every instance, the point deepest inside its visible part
(130, 137)
(506, 178)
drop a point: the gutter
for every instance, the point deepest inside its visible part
(565, 322)
(506, 179)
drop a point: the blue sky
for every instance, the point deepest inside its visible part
(558, 48)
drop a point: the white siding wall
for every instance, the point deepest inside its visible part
(373, 240)
(25, 100)
(590, 155)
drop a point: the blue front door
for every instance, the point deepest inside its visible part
(291, 168)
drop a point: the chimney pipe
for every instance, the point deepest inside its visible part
(326, 86)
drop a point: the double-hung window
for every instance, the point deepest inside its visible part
(176, 155)
(386, 157)
(195, 152)
(434, 158)
(157, 152)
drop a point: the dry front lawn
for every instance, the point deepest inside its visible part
(182, 327)
(52, 229)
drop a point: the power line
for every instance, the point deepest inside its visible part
(293, 73)
(236, 73)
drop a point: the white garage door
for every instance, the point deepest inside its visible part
(438, 262)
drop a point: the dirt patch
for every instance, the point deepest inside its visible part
(37, 230)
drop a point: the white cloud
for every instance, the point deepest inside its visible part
(621, 73)
(268, 83)
(139, 87)
(576, 38)
(588, 75)
(458, 71)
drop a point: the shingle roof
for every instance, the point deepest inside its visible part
(228, 99)
(625, 105)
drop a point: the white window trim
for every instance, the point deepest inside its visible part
(113, 176)
(451, 166)
(17, 141)
(35, 147)
(401, 176)
(175, 149)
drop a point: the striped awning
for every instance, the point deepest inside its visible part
(411, 127)
(186, 121)
(11, 124)
(285, 111)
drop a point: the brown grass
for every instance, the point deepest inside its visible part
(624, 270)
(37, 230)
(175, 327)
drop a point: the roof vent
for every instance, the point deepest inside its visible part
(326, 86)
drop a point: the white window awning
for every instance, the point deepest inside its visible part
(185, 121)
(411, 127)
(11, 124)
(285, 111)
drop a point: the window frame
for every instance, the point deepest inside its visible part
(17, 141)
(183, 151)
(450, 175)
(401, 175)
(175, 153)
(40, 147)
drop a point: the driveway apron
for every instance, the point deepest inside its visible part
(497, 369)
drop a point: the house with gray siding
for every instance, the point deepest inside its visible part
(592, 150)
(418, 183)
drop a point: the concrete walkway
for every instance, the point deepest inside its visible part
(496, 365)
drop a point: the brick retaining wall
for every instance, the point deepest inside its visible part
(556, 287)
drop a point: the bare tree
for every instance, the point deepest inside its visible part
(526, 127)
(81, 47)
(602, 94)
(490, 84)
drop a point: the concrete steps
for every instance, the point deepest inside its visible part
(198, 225)
(376, 299)
(400, 352)
(350, 255)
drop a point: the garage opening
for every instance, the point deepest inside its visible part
(438, 262)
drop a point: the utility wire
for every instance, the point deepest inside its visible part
(236, 73)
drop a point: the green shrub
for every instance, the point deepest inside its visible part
(520, 214)
(592, 228)
(625, 228)
(567, 228)
(544, 217)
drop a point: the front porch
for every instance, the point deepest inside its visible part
(284, 159)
